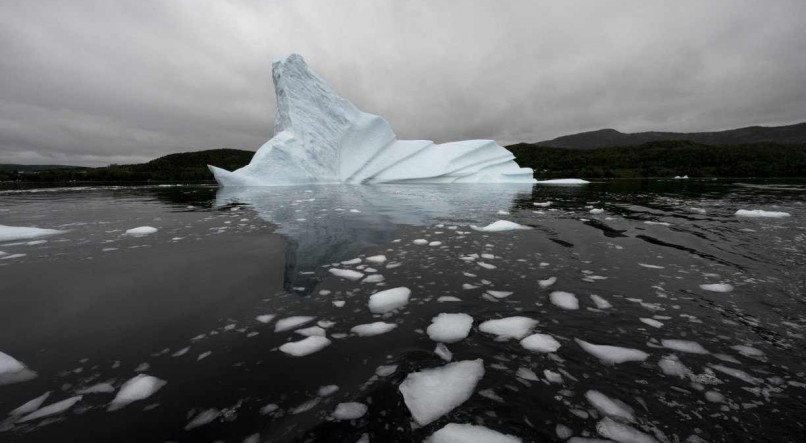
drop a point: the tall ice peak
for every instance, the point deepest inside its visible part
(320, 137)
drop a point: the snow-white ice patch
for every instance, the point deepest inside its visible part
(305, 347)
(540, 343)
(136, 388)
(141, 231)
(761, 213)
(509, 327)
(13, 370)
(377, 259)
(608, 406)
(547, 282)
(12, 233)
(203, 418)
(432, 393)
(500, 226)
(288, 323)
(389, 300)
(612, 354)
(449, 328)
(265, 318)
(717, 287)
(30, 405)
(691, 347)
(347, 274)
(600, 302)
(349, 411)
(564, 300)
(467, 433)
(563, 181)
(609, 428)
(51, 409)
(370, 329)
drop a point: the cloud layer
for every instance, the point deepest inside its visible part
(96, 82)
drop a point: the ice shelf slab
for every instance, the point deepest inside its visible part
(320, 137)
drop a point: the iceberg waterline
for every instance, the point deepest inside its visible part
(320, 137)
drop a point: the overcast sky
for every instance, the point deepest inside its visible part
(91, 83)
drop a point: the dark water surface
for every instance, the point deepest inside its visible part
(94, 305)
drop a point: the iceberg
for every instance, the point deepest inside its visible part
(320, 138)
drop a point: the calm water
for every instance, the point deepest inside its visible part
(93, 305)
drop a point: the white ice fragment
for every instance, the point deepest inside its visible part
(737, 373)
(12, 233)
(671, 365)
(547, 282)
(540, 343)
(354, 261)
(51, 409)
(339, 303)
(203, 418)
(564, 300)
(268, 409)
(311, 331)
(608, 406)
(98, 388)
(622, 433)
(374, 278)
(326, 390)
(288, 323)
(136, 388)
(526, 374)
(305, 347)
(648, 266)
(651, 322)
(347, 274)
(377, 259)
(30, 405)
(420, 241)
(509, 327)
(13, 370)
(761, 213)
(141, 231)
(389, 300)
(500, 226)
(542, 204)
(748, 351)
(448, 298)
(600, 302)
(717, 287)
(265, 318)
(370, 329)
(449, 328)
(349, 411)
(443, 352)
(596, 211)
(467, 433)
(684, 346)
(435, 243)
(432, 393)
(385, 370)
(612, 354)
(499, 294)
(563, 181)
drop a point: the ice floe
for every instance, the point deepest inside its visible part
(305, 347)
(389, 300)
(761, 213)
(467, 433)
(547, 282)
(347, 274)
(564, 300)
(540, 343)
(716, 287)
(13, 370)
(370, 329)
(141, 231)
(288, 323)
(449, 328)
(12, 233)
(620, 432)
(136, 388)
(509, 327)
(563, 181)
(500, 226)
(600, 302)
(30, 405)
(51, 409)
(608, 406)
(651, 322)
(691, 347)
(203, 418)
(349, 411)
(432, 393)
(612, 354)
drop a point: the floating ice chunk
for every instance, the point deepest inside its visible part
(608, 406)
(311, 331)
(288, 323)
(563, 181)
(349, 411)
(181, 352)
(671, 365)
(11, 233)
(717, 287)
(542, 204)
(540, 343)
(443, 352)
(354, 261)
(509, 327)
(98, 388)
(348, 274)
(51, 409)
(600, 302)
(448, 298)
(468, 286)
(681, 177)
(385, 370)
(467, 433)
(377, 259)
(203, 418)
(648, 266)
(748, 351)
(449, 328)
(389, 300)
(651, 322)
(553, 377)
(338, 303)
(596, 211)
(563, 432)
(141, 231)
(564, 300)
(136, 388)
(714, 396)
(435, 243)
(420, 241)
(30, 405)
(691, 347)
(547, 282)
(305, 347)
(13, 370)
(268, 409)
(620, 432)
(374, 278)
(370, 329)
(697, 210)
(761, 213)
(500, 226)
(526, 374)
(432, 393)
(499, 294)
(502, 212)
(326, 390)
(612, 354)
(265, 318)
(737, 373)
(485, 265)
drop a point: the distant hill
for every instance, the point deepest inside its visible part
(792, 134)
(185, 166)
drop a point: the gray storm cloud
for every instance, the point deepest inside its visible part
(94, 83)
